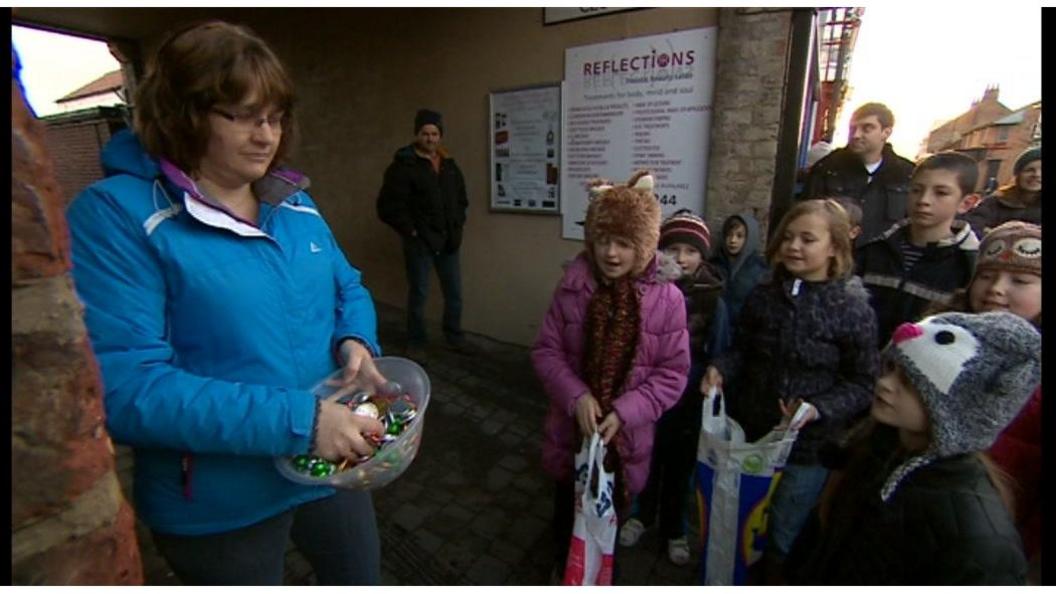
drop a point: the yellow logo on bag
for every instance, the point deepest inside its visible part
(753, 534)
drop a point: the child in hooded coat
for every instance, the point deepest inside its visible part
(613, 350)
(919, 504)
(738, 260)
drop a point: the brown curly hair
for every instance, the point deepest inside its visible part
(194, 69)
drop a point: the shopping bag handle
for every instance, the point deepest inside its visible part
(801, 411)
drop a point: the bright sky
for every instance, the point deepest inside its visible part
(54, 65)
(929, 61)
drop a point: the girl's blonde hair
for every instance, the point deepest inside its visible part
(842, 264)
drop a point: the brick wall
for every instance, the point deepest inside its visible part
(1019, 139)
(75, 147)
(749, 86)
(69, 521)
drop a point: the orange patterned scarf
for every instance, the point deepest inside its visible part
(613, 319)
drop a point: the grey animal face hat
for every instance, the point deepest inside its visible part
(974, 373)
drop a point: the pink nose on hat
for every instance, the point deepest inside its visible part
(905, 332)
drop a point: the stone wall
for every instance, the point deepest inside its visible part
(749, 88)
(69, 522)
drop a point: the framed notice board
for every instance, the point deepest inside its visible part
(524, 141)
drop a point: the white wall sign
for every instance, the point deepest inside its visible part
(642, 103)
(525, 133)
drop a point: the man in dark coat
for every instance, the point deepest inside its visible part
(423, 197)
(867, 170)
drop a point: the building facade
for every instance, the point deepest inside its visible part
(361, 74)
(991, 134)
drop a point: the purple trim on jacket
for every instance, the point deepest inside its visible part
(277, 185)
(654, 384)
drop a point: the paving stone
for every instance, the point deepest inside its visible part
(510, 441)
(387, 579)
(489, 524)
(530, 482)
(508, 552)
(497, 479)
(513, 463)
(542, 507)
(409, 516)
(428, 541)
(459, 513)
(490, 427)
(526, 529)
(505, 416)
(488, 571)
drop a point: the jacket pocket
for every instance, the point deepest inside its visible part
(896, 201)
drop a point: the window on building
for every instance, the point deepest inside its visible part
(992, 166)
(1002, 133)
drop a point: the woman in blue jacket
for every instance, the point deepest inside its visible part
(215, 297)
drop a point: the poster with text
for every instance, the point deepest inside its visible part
(641, 103)
(525, 133)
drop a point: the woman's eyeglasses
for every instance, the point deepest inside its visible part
(248, 122)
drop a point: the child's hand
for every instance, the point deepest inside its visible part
(790, 409)
(587, 414)
(609, 427)
(712, 377)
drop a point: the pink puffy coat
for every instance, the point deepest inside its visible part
(654, 384)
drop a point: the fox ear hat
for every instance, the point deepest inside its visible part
(630, 211)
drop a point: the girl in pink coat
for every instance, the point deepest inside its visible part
(613, 350)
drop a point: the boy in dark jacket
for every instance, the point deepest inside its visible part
(919, 504)
(928, 256)
(685, 238)
(738, 261)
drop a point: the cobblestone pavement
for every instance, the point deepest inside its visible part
(475, 506)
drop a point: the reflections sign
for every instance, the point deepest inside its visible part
(642, 103)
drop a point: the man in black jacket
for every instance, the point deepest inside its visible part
(867, 170)
(423, 197)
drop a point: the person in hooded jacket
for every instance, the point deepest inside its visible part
(215, 297)
(921, 503)
(738, 261)
(1019, 200)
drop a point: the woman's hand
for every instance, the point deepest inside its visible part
(358, 368)
(711, 378)
(609, 427)
(341, 433)
(587, 414)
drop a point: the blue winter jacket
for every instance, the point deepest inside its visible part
(209, 332)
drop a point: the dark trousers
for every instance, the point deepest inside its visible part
(338, 535)
(418, 259)
(673, 461)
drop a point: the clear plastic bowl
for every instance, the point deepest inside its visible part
(390, 461)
